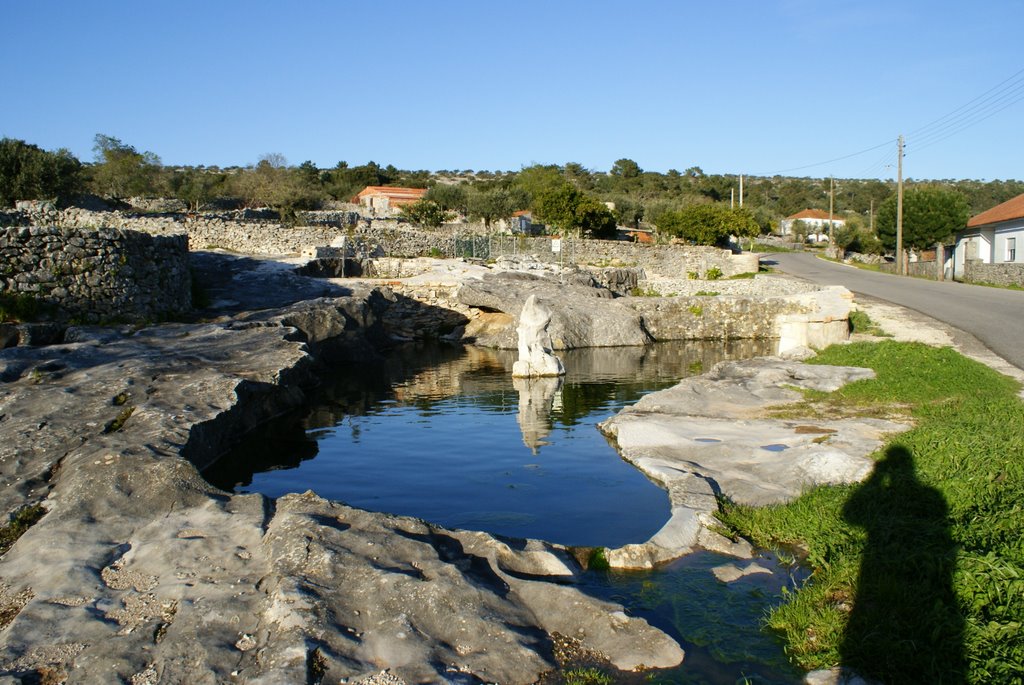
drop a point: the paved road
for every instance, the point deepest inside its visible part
(993, 315)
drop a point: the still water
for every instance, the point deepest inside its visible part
(445, 434)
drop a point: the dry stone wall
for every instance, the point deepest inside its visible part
(249, 232)
(1007, 273)
(97, 275)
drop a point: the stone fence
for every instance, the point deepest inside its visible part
(1007, 273)
(237, 232)
(97, 275)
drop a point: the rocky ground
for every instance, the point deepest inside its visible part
(139, 571)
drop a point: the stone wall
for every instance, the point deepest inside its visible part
(97, 275)
(249, 232)
(666, 260)
(1006, 273)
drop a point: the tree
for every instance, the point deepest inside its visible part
(450, 197)
(556, 206)
(629, 212)
(426, 213)
(28, 172)
(490, 205)
(197, 187)
(122, 171)
(625, 168)
(931, 214)
(593, 218)
(707, 224)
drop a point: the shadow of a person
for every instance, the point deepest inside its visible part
(905, 626)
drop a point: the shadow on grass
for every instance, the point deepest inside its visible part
(905, 625)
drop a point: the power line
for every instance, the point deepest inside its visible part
(829, 161)
(959, 125)
(969, 102)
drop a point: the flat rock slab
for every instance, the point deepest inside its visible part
(708, 436)
(142, 572)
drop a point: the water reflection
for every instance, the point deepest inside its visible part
(536, 399)
(445, 434)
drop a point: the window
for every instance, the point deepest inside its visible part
(1011, 249)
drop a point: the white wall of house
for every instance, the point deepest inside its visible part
(1008, 244)
(810, 225)
(998, 244)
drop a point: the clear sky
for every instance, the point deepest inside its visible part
(754, 87)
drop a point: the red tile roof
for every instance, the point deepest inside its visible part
(813, 214)
(394, 193)
(1011, 209)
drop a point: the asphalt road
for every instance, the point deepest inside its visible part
(994, 316)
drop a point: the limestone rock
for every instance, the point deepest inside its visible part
(140, 571)
(535, 357)
(580, 316)
(707, 435)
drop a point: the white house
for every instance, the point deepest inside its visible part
(815, 223)
(995, 236)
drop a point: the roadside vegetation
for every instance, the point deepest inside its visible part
(918, 573)
(689, 205)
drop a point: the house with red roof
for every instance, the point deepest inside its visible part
(996, 236)
(814, 222)
(386, 199)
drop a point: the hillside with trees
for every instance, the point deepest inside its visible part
(569, 198)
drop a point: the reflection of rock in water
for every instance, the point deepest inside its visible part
(536, 395)
(449, 377)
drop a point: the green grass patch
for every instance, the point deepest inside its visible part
(860, 322)
(21, 521)
(918, 573)
(705, 293)
(587, 676)
(765, 247)
(742, 277)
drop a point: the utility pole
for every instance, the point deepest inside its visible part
(871, 217)
(732, 198)
(899, 206)
(831, 204)
(741, 191)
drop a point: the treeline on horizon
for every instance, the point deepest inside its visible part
(568, 195)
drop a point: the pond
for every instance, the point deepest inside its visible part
(445, 434)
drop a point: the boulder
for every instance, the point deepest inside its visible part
(581, 316)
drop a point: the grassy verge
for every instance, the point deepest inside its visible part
(919, 571)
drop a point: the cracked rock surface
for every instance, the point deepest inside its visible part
(709, 436)
(142, 572)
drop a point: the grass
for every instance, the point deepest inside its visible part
(1009, 286)
(587, 676)
(118, 422)
(860, 322)
(20, 522)
(765, 247)
(918, 573)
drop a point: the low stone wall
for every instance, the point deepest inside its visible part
(665, 260)
(976, 271)
(248, 232)
(97, 275)
(919, 269)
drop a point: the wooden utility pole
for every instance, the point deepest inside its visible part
(871, 217)
(831, 205)
(732, 198)
(741, 191)
(900, 269)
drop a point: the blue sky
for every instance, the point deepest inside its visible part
(738, 87)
